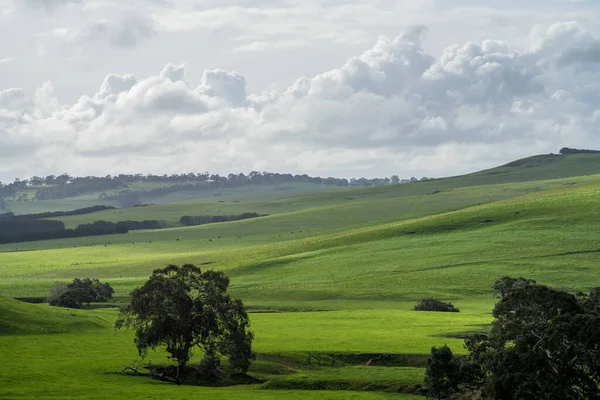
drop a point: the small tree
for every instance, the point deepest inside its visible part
(430, 304)
(181, 308)
(79, 292)
(440, 374)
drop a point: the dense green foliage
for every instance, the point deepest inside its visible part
(440, 376)
(430, 304)
(79, 292)
(181, 308)
(566, 150)
(544, 343)
(79, 211)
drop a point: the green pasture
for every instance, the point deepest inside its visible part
(342, 208)
(332, 275)
(537, 168)
(544, 234)
(72, 353)
(248, 193)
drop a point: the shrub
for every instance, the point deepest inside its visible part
(210, 367)
(440, 374)
(430, 304)
(79, 292)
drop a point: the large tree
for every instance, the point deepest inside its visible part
(181, 308)
(544, 344)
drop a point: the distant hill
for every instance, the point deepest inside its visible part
(540, 167)
(257, 187)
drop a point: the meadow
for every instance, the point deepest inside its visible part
(332, 275)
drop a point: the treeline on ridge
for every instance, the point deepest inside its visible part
(210, 219)
(567, 150)
(53, 214)
(63, 186)
(25, 228)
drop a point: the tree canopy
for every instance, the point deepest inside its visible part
(79, 292)
(182, 308)
(544, 344)
(430, 304)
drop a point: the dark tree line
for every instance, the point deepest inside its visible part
(26, 228)
(544, 344)
(23, 230)
(54, 214)
(210, 219)
(566, 150)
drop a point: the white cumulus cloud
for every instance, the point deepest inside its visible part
(394, 108)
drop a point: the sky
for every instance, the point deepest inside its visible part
(345, 88)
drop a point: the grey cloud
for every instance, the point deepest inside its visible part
(127, 32)
(229, 86)
(392, 105)
(49, 5)
(173, 72)
(587, 54)
(114, 84)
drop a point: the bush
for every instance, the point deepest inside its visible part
(430, 304)
(79, 292)
(210, 367)
(440, 374)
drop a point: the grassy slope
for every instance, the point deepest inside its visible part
(248, 245)
(27, 319)
(517, 175)
(367, 275)
(73, 354)
(541, 167)
(246, 193)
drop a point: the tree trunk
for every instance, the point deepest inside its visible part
(180, 372)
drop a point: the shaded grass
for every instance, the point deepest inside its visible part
(17, 318)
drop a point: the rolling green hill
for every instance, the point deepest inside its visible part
(257, 192)
(20, 318)
(331, 274)
(541, 167)
(515, 176)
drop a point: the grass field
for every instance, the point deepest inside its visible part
(261, 192)
(334, 275)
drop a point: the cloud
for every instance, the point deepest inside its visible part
(125, 32)
(263, 45)
(392, 109)
(6, 60)
(49, 5)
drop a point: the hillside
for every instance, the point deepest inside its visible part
(18, 318)
(541, 167)
(247, 193)
(546, 170)
(333, 275)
